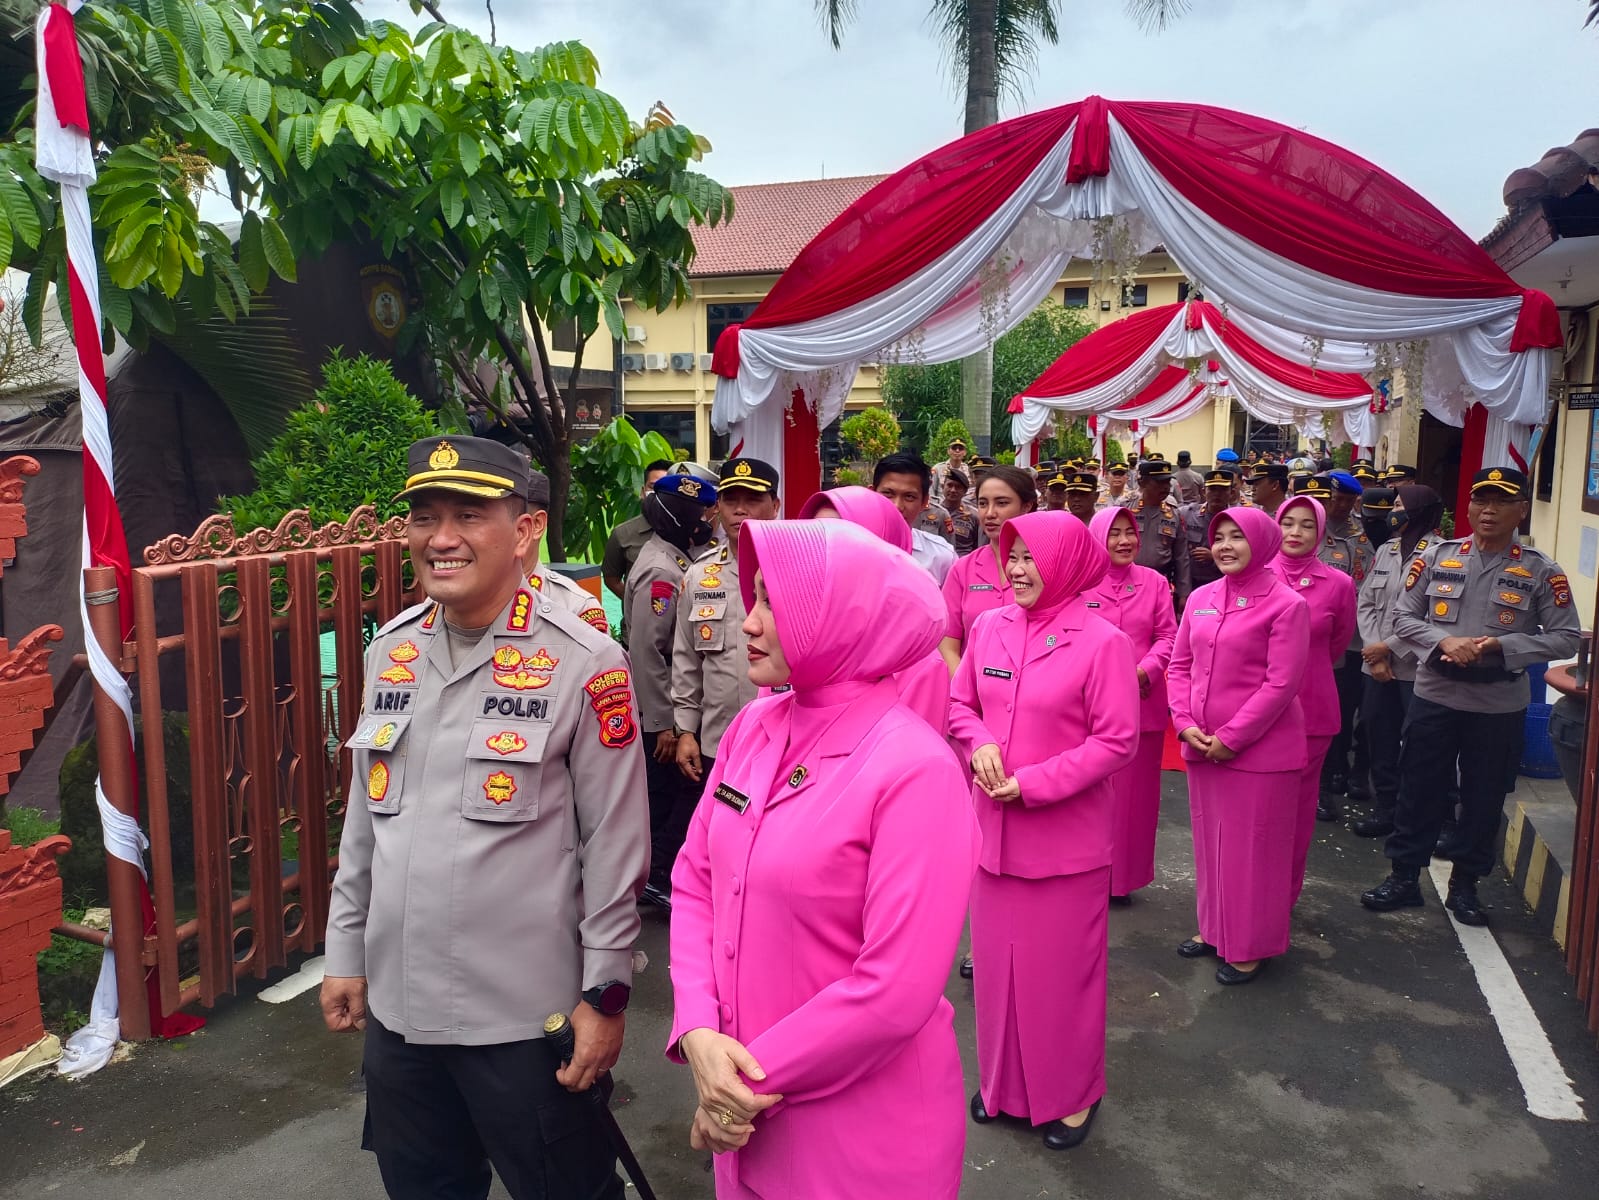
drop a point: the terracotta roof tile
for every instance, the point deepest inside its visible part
(772, 222)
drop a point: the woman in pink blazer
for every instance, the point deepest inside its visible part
(1330, 595)
(978, 581)
(1234, 690)
(1138, 601)
(1045, 706)
(924, 687)
(819, 898)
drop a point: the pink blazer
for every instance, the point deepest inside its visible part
(974, 585)
(818, 927)
(1330, 596)
(1140, 605)
(924, 689)
(1237, 668)
(1065, 718)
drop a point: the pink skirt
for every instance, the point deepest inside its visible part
(1135, 795)
(1305, 815)
(1040, 948)
(1244, 827)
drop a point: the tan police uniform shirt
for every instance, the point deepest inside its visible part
(1160, 542)
(1189, 485)
(710, 672)
(1195, 522)
(1377, 606)
(649, 601)
(1346, 548)
(496, 837)
(565, 594)
(1517, 595)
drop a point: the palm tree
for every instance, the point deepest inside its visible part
(991, 46)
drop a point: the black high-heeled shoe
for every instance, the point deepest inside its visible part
(980, 1114)
(967, 969)
(1061, 1136)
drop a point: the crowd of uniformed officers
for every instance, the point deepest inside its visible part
(827, 746)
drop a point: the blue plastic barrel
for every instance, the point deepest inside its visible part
(1540, 689)
(1538, 759)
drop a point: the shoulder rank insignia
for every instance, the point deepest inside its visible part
(521, 611)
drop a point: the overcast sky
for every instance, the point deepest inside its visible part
(1449, 95)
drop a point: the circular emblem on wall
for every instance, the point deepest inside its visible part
(385, 308)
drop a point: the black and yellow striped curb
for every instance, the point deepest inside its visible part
(1537, 867)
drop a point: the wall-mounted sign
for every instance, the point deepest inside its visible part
(1578, 400)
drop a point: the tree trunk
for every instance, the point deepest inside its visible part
(982, 110)
(560, 472)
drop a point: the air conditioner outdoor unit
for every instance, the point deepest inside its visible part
(706, 360)
(683, 362)
(636, 333)
(655, 362)
(632, 362)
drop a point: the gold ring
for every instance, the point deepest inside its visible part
(727, 1116)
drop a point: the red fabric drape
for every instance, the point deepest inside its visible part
(1310, 201)
(65, 69)
(912, 218)
(1104, 353)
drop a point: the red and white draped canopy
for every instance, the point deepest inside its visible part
(1314, 252)
(1163, 364)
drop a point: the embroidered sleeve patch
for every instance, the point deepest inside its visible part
(1562, 590)
(1414, 574)
(596, 618)
(661, 593)
(612, 702)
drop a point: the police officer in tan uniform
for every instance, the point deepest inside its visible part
(495, 842)
(551, 584)
(1115, 491)
(1477, 611)
(1345, 547)
(1082, 492)
(710, 672)
(1161, 545)
(1195, 521)
(679, 510)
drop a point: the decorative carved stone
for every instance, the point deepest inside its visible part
(13, 519)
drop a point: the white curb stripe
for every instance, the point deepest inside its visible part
(303, 980)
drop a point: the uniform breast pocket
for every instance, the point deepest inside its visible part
(707, 627)
(1510, 607)
(379, 765)
(1443, 601)
(503, 771)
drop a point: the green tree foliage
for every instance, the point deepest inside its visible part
(607, 477)
(345, 449)
(873, 432)
(1114, 452)
(925, 397)
(502, 180)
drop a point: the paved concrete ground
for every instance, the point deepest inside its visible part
(1364, 1066)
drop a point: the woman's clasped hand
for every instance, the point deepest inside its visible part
(988, 768)
(725, 1118)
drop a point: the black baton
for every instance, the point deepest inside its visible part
(563, 1040)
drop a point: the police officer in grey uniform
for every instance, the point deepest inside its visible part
(1345, 547)
(1195, 521)
(1477, 611)
(549, 583)
(710, 672)
(678, 508)
(495, 842)
(1387, 662)
(1161, 545)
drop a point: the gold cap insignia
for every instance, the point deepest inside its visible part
(1496, 473)
(742, 469)
(689, 488)
(445, 457)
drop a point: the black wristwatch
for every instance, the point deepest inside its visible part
(609, 999)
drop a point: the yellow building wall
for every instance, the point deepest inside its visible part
(1559, 524)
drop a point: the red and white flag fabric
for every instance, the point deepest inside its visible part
(1313, 251)
(64, 153)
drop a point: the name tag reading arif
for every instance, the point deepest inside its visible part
(732, 797)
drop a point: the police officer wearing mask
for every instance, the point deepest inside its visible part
(1477, 611)
(710, 673)
(1160, 544)
(495, 841)
(678, 509)
(1346, 548)
(1387, 663)
(1375, 505)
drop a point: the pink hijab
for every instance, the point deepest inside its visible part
(1262, 533)
(1290, 570)
(864, 507)
(1099, 527)
(848, 608)
(1068, 558)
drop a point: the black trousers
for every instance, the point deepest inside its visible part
(437, 1116)
(672, 799)
(1383, 707)
(1351, 683)
(1487, 747)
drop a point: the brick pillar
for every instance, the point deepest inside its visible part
(30, 907)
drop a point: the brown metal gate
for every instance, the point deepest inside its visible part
(1582, 922)
(244, 618)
